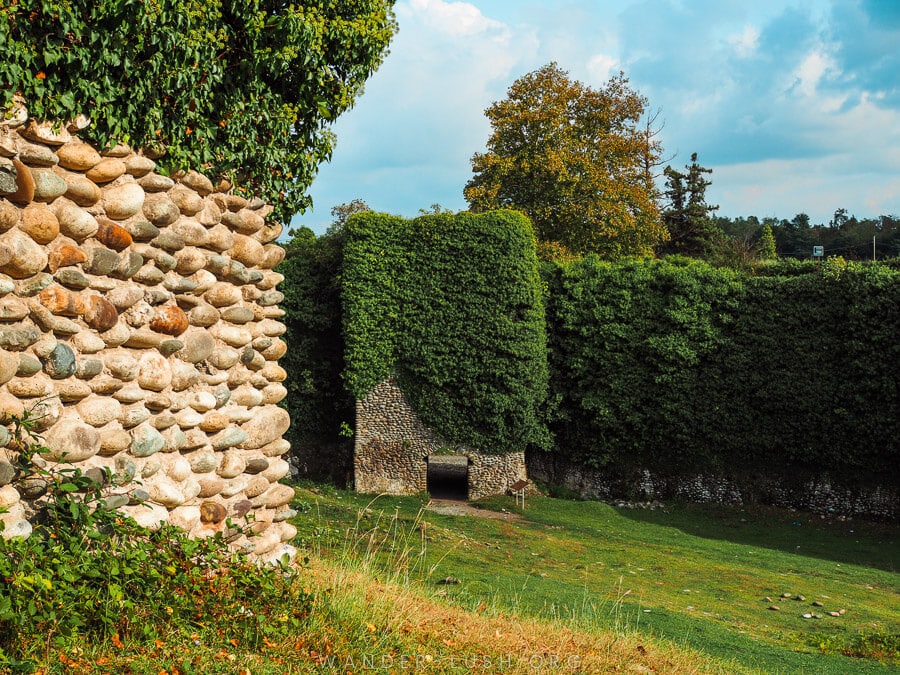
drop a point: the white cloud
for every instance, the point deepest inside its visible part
(867, 136)
(745, 43)
(811, 71)
(456, 19)
(602, 66)
(449, 48)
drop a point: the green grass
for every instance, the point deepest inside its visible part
(695, 576)
(601, 589)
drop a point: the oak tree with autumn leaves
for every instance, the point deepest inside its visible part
(576, 160)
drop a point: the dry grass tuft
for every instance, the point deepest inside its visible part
(438, 637)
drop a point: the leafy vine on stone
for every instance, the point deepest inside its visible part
(244, 89)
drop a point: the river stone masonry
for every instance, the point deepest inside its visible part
(815, 493)
(140, 328)
(393, 446)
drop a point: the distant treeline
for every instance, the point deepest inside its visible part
(844, 235)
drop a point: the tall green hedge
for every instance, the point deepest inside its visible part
(317, 400)
(674, 366)
(628, 343)
(810, 378)
(450, 304)
(669, 365)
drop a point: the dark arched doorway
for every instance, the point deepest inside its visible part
(448, 477)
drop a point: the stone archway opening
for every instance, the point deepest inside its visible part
(448, 477)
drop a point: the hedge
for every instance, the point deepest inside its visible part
(451, 305)
(668, 365)
(675, 366)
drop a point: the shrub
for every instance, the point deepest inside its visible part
(87, 571)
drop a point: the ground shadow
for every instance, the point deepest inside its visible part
(855, 542)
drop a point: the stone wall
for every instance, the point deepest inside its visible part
(393, 445)
(139, 328)
(814, 493)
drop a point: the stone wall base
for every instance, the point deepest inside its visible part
(393, 446)
(818, 494)
(331, 463)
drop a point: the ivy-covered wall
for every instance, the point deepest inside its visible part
(670, 368)
(451, 305)
(676, 367)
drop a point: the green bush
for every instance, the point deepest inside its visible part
(88, 572)
(452, 305)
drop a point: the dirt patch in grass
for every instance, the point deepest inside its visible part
(453, 507)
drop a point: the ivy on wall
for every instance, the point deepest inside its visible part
(810, 379)
(669, 365)
(674, 366)
(452, 305)
(243, 88)
(626, 344)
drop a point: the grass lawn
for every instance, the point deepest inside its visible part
(702, 578)
(386, 584)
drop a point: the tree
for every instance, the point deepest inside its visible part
(238, 88)
(687, 216)
(840, 219)
(765, 247)
(575, 160)
(342, 212)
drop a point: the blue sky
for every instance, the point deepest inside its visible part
(794, 105)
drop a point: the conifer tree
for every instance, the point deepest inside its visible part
(687, 216)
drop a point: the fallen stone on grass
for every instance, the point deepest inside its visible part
(775, 608)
